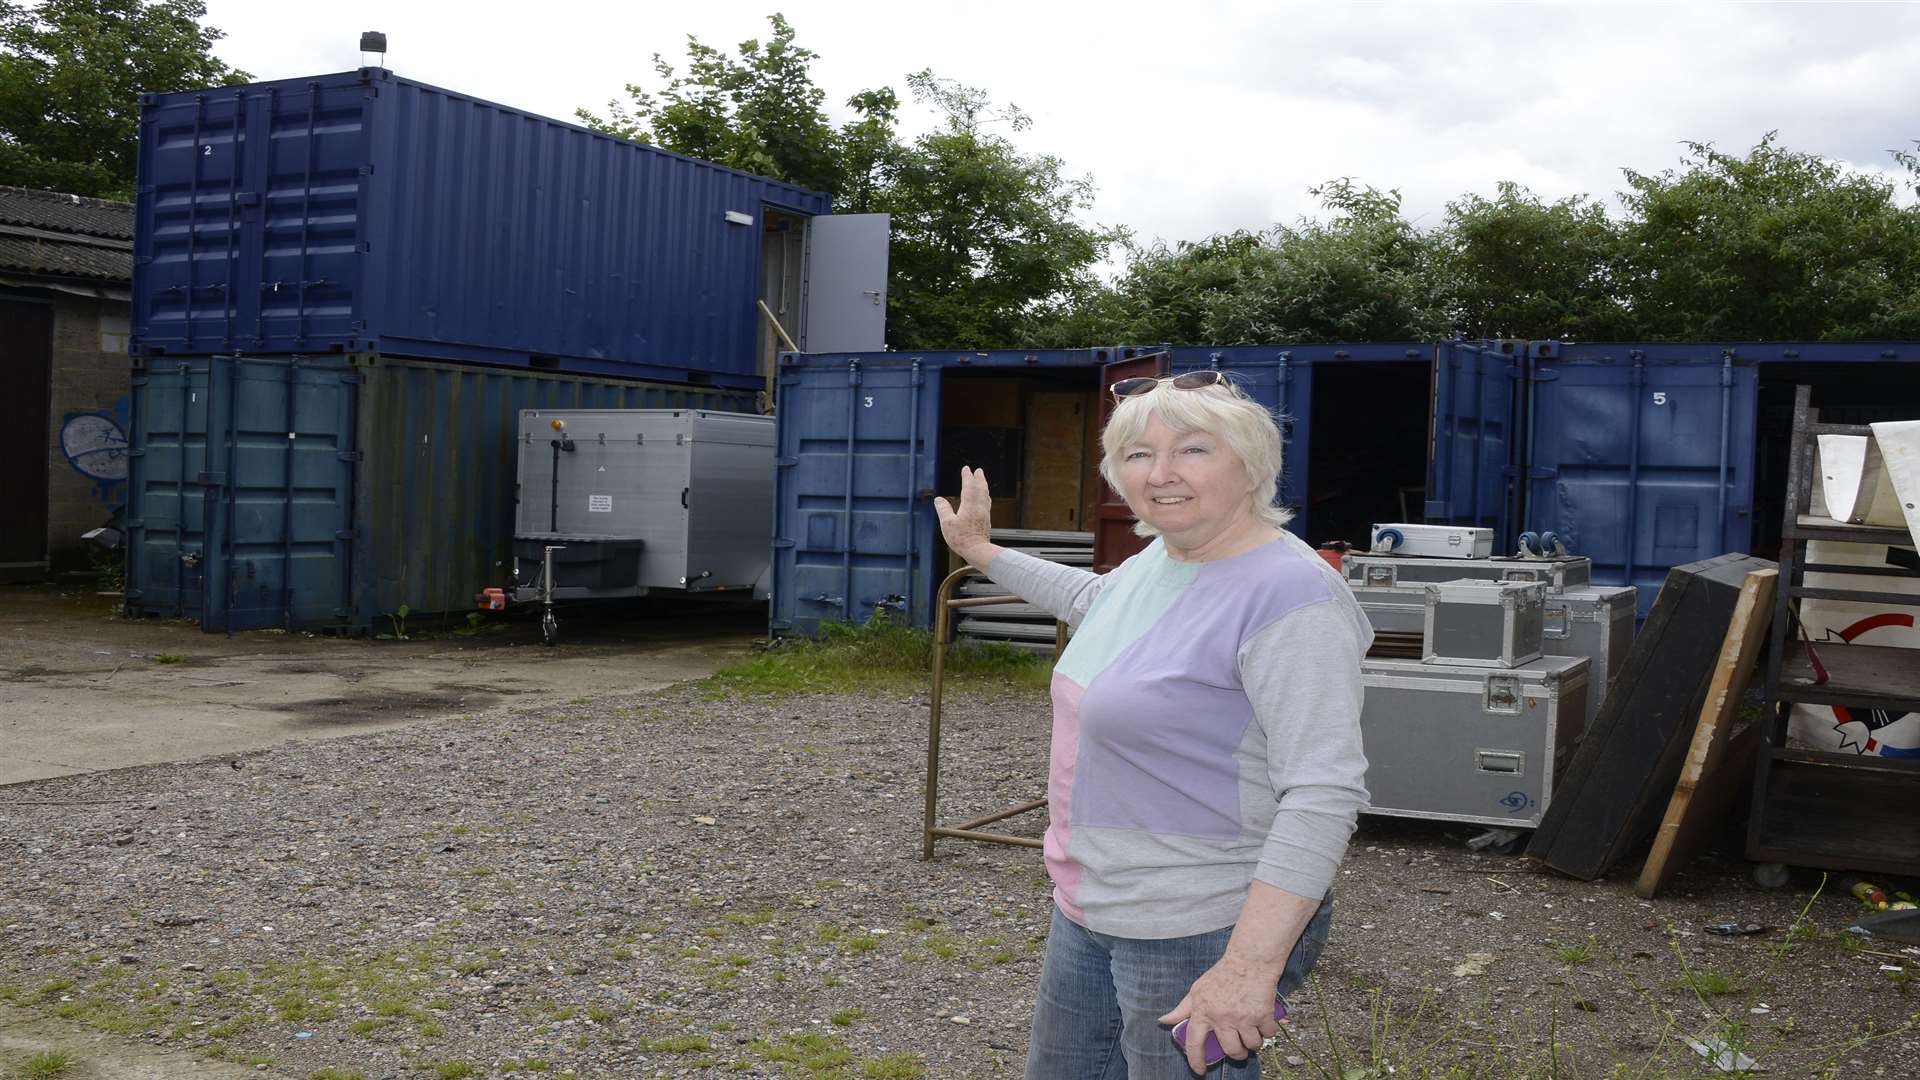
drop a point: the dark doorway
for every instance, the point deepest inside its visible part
(26, 367)
(1368, 461)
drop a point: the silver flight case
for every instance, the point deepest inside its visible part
(1596, 623)
(1484, 623)
(1470, 744)
(1392, 589)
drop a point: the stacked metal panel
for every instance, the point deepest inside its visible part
(1022, 625)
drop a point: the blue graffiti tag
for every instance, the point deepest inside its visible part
(1515, 801)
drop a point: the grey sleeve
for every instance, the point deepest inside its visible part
(1067, 591)
(1302, 675)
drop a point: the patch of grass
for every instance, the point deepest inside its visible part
(861, 943)
(599, 1014)
(1706, 983)
(169, 658)
(901, 1066)
(846, 1017)
(881, 653)
(815, 1053)
(452, 1070)
(364, 1028)
(53, 988)
(46, 1063)
(335, 1074)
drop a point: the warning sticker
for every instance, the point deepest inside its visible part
(600, 504)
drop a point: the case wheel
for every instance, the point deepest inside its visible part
(1770, 875)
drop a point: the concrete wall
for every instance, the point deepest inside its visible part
(90, 402)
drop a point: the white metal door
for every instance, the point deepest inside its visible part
(846, 286)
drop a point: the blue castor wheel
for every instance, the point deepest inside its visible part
(1549, 543)
(1388, 539)
(1529, 543)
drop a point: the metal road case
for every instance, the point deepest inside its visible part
(639, 500)
(1392, 589)
(1483, 623)
(1595, 623)
(1470, 744)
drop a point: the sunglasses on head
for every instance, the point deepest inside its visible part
(1192, 380)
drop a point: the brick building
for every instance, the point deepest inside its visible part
(66, 264)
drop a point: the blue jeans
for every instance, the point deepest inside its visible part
(1101, 999)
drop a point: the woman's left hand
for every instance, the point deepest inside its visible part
(1234, 1000)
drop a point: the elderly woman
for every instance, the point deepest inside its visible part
(1206, 768)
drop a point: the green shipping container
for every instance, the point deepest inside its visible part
(330, 491)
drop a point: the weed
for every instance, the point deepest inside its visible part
(169, 658)
(829, 934)
(452, 1070)
(1573, 955)
(364, 1028)
(335, 1074)
(599, 1014)
(917, 923)
(54, 987)
(862, 943)
(846, 1017)
(46, 1063)
(621, 952)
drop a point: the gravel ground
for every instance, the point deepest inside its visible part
(668, 885)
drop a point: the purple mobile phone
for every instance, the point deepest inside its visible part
(1212, 1050)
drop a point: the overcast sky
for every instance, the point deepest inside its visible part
(1197, 117)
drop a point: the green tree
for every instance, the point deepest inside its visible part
(1774, 245)
(983, 234)
(759, 111)
(71, 76)
(1361, 273)
(1524, 268)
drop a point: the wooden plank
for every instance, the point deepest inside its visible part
(1615, 790)
(1709, 778)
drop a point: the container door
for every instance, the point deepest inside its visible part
(1113, 521)
(167, 486)
(846, 284)
(853, 531)
(1640, 462)
(284, 473)
(26, 362)
(1470, 474)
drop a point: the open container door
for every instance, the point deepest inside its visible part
(1470, 473)
(846, 285)
(1113, 520)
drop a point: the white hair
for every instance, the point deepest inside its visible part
(1222, 410)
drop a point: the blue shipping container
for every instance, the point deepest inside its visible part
(1648, 455)
(361, 212)
(865, 441)
(335, 490)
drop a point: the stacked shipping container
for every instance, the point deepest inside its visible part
(322, 267)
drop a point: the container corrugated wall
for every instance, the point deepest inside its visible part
(363, 212)
(324, 491)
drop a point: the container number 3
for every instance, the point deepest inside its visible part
(1659, 397)
(866, 402)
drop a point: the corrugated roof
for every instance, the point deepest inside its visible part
(66, 213)
(68, 236)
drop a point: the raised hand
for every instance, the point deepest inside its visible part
(968, 529)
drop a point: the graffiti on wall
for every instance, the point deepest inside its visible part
(95, 444)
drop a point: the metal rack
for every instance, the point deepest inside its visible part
(1823, 808)
(945, 604)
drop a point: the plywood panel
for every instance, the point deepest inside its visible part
(1056, 446)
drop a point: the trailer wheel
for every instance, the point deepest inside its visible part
(1770, 875)
(549, 627)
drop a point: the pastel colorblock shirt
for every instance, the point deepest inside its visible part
(1206, 733)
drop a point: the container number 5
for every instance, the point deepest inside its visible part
(1659, 397)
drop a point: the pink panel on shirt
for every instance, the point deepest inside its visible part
(1060, 762)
